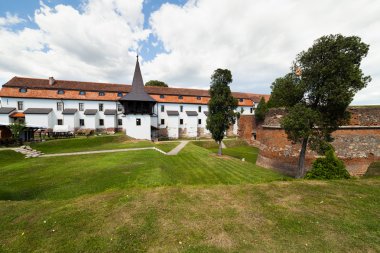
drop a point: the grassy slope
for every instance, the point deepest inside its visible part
(145, 201)
(235, 148)
(96, 143)
(297, 216)
(67, 177)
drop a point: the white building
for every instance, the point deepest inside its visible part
(172, 112)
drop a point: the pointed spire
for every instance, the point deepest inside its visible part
(137, 83)
(137, 93)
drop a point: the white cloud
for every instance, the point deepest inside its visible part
(256, 40)
(10, 19)
(95, 43)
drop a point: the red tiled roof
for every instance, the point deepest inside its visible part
(36, 83)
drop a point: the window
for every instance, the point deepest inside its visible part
(181, 121)
(198, 98)
(101, 107)
(20, 105)
(60, 122)
(119, 122)
(180, 97)
(162, 121)
(162, 108)
(241, 99)
(181, 108)
(59, 106)
(138, 122)
(101, 122)
(23, 90)
(101, 93)
(60, 92)
(162, 96)
(199, 122)
(81, 122)
(120, 94)
(199, 108)
(81, 107)
(82, 92)
(119, 107)
(251, 110)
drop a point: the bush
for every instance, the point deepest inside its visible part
(373, 169)
(329, 167)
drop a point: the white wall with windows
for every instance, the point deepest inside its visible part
(138, 126)
(101, 121)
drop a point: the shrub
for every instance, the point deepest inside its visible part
(373, 169)
(261, 110)
(328, 167)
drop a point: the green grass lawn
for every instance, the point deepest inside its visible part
(97, 143)
(144, 201)
(235, 148)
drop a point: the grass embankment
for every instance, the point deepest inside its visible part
(67, 177)
(194, 202)
(235, 148)
(93, 143)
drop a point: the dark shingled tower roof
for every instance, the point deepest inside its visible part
(137, 93)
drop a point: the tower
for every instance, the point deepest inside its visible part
(138, 108)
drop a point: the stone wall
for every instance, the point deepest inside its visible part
(357, 144)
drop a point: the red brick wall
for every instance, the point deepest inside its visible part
(358, 145)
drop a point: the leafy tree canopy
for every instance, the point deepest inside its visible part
(317, 92)
(221, 106)
(156, 83)
(261, 110)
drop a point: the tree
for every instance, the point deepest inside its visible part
(156, 83)
(221, 106)
(286, 91)
(316, 94)
(261, 110)
(16, 129)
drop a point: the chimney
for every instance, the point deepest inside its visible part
(51, 80)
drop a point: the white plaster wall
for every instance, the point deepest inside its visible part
(235, 128)
(110, 121)
(192, 126)
(93, 123)
(71, 120)
(5, 119)
(52, 103)
(246, 110)
(142, 132)
(182, 115)
(89, 122)
(40, 120)
(173, 130)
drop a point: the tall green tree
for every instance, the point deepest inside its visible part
(317, 92)
(221, 106)
(156, 83)
(261, 110)
(17, 129)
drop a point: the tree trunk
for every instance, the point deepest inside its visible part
(301, 161)
(220, 148)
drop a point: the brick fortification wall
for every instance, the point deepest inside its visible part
(357, 144)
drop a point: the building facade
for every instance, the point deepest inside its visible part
(47, 103)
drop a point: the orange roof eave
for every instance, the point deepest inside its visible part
(17, 115)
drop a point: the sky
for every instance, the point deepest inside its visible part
(180, 42)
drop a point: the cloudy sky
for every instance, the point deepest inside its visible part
(180, 42)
